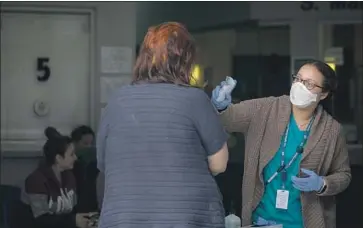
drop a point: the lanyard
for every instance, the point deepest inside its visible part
(299, 150)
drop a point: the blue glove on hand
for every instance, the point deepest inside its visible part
(263, 222)
(312, 182)
(223, 104)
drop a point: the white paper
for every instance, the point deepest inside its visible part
(116, 60)
(282, 199)
(108, 85)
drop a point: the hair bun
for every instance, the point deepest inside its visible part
(52, 133)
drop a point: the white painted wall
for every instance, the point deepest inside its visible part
(115, 25)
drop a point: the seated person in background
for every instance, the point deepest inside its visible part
(85, 168)
(83, 136)
(51, 189)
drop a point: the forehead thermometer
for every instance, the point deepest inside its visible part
(226, 88)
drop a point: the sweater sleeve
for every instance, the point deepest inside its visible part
(237, 117)
(339, 174)
(39, 203)
(102, 138)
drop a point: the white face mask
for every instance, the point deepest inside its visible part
(300, 96)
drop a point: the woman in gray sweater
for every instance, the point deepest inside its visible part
(160, 142)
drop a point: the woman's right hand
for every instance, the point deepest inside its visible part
(82, 220)
(222, 104)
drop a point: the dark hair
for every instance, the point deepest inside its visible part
(167, 55)
(56, 144)
(330, 82)
(80, 131)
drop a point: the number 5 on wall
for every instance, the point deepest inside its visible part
(42, 66)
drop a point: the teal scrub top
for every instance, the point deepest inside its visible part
(292, 217)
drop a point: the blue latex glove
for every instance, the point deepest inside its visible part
(263, 222)
(312, 182)
(223, 104)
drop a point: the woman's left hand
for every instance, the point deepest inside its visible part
(312, 182)
(93, 223)
(263, 222)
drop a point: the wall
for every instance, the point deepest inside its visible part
(115, 25)
(195, 15)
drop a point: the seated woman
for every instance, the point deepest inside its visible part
(85, 168)
(51, 189)
(160, 142)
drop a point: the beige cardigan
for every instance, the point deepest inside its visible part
(263, 121)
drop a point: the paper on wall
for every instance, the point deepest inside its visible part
(116, 60)
(108, 85)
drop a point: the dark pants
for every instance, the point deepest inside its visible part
(230, 185)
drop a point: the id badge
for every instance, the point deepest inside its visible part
(282, 199)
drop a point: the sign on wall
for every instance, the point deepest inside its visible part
(43, 69)
(333, 6)
(284, 10)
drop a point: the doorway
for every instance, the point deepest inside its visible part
(261, 62)
(347, 108)
(261, 76)
(45, 63)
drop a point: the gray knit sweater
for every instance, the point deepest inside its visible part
(153, 143)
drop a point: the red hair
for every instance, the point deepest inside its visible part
(167, 55)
